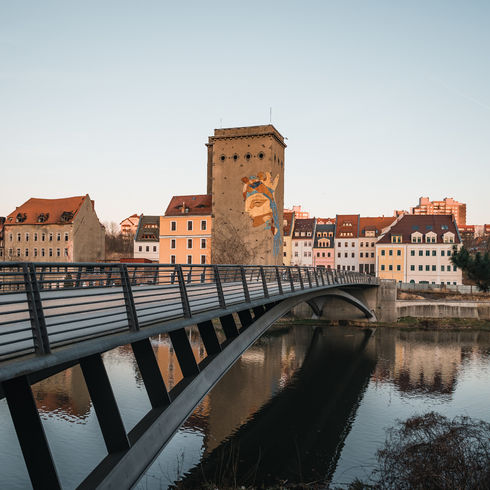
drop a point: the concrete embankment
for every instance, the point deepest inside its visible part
(479, 310)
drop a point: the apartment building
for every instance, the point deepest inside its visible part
(346, 243)
(298, 213)
(287, 234)
(370, 229)
(302, 242)
(147, 238)
(324, 244)
(418, 249)
(185, 230)
(54, 230)
(447, 206)
(129, 226)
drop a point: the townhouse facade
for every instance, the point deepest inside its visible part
(324, 244)
(418, 249)
(287, 235)
(54, 230)
(346, 243)
(147, 238)
(185, 231)
(302, 242)
(129, 226)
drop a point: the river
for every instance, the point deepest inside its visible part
(303, 404)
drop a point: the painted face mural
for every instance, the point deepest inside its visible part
(260, 204)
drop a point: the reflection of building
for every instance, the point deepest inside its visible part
(54, 230)
(64, 393)
(185, 230)
(147, 239)
(246, 181)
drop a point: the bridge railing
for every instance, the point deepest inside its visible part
(46, 305)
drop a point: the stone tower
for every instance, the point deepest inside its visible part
(246, 181)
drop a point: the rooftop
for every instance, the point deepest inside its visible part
(193, 205)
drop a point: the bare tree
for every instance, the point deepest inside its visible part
(228, 247)
(117, 244)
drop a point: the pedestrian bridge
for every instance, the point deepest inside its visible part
(53, 316)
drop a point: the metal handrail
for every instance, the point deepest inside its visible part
(94, 299)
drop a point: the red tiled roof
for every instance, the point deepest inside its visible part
(304, 224)
(411, 223)
(288, 218)
(347, 226)
(52, 209)
(376, 224)
(196, 205)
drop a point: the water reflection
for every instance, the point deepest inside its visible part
(301, 404)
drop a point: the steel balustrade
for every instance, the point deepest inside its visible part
(45, 305)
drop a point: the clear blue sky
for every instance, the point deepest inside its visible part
(381, 101)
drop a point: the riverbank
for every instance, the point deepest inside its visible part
(405, 323)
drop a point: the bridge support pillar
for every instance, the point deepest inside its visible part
(106, 409)
(183, 350)
(150, 372)
(245, 318)
(30, 433)
(229, 326)
(209, 338)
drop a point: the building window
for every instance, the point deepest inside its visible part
(398, 267)
(42, 252)
(434, 253)
(154, 248)
(382, 267)
(27, 237)
(421, 252)
(58, 252)
(50, 252)
(189, 259)
(203, 224)
(58, 237)
(27, 252)
(398, 252)
(427, 253)
(35, 252)
(346, 244)
(66, 237)
(173, 226)
(50, 237)
(421, 267)
(339, 244)
(443, 252)
(361, 254)
(203, 259)
(11, 237)
(338, 255)
(172, 243)
(390, 252)
(382, 252)
(346, 254)
(18, 252)
(353, 244)
(353, 255)
(442, 268)
(412, 267)
(18, 237)
(147, 248)
(454, 268)
(412, 252)
(189, 225)
(427, 267)
(390, 267)
(43, 237)
(304, 253)
(433, 267)
(203, 243)
(449, 253)
(172, 259)
(189, 242)
(140, 248)
(295, 254)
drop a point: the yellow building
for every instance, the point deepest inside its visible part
(185, 231)
(288, 226)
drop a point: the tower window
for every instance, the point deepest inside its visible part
(222, 158)
(248, 156)
(261, 155)
(235, 157)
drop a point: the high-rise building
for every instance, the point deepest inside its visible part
(447, 206)
(246, 182)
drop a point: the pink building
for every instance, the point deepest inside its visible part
(323, 246)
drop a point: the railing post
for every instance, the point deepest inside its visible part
(183, 292)
(291, 279)
(244, 284)
(36, 313)
(309, 277)
(219, 287)
(278, 277)
(129, 299)
(264, 283)
(300, 278)
(315, 272)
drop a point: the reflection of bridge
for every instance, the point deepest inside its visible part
(54, 316)
(298, 435)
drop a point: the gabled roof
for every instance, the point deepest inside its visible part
(304, 225)
(148, 229)
(327, 229)
(347, 226)
(410, 223)
(194, 205)
(288, 217)
(47, 211)
(376, 224)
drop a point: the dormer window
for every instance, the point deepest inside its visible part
(396, 239)
(416, 237)
(43, 217)
(66, 216)
(430, 237)
(448, 237)
(20, 218)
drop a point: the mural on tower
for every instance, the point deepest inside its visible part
(260, 204)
